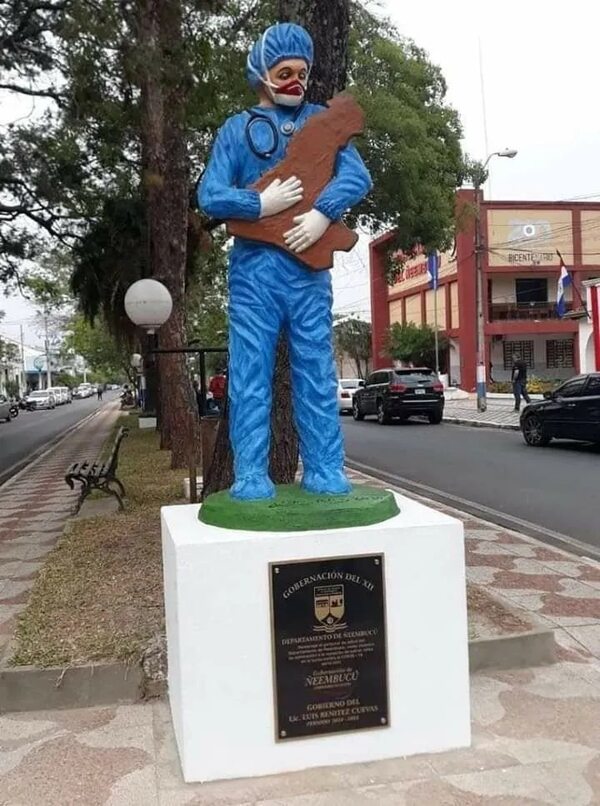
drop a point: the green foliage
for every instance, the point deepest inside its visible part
(9, 352)
(108, 358)
(352, 337)
(12, 388)
(413, 344)
(108, 259)
(76, 172)
(412, 142)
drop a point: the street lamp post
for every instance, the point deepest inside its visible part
(479, 178)
(148, 304)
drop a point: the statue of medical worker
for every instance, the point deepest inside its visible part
(269, 289)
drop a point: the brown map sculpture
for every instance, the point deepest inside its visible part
(310, 156)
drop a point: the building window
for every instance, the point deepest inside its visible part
(560, 354)
(524, 349)
(531, 291)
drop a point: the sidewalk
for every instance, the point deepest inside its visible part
(499, 414)
(536, 732)
(34, 507)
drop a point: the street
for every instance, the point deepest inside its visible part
(554, 489)
(32, 430)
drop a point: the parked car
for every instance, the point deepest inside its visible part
(570, 412)
(400, 393)
(5, 409)
(59, 395)
(41, 399)
(345, 392)
(84, 390)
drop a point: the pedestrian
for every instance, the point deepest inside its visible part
(519, 381)
(216, 387)
(100, 391)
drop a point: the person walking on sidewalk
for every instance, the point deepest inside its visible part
(519, 381)
(100, 392)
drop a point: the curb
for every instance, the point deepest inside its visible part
(518, 651)
(478, 424)
(28, 688)
(7, 477)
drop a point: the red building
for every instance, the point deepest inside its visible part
(520, 271)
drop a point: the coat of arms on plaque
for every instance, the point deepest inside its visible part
(329, 608)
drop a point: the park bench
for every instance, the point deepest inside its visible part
(99, 475)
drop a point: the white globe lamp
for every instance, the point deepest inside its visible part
(148, 304)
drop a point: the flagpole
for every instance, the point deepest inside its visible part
(435, 324)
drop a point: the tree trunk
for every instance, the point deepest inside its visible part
(329, 24)
(283, 459)
(166, 189)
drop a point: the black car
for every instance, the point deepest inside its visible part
(570, 412)
(400, 393)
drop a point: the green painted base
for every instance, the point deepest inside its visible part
(295, 510)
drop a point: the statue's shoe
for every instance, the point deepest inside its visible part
(326, 482)
(253, 488)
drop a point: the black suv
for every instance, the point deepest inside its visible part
(400, 393)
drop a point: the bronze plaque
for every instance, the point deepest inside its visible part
(329, 646)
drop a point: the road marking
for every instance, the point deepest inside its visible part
(557, 539)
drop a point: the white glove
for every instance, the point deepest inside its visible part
(279, 196)
(310, 228)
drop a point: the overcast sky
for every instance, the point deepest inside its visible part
(540, 68)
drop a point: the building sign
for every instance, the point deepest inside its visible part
(529, 238)
(415, 272)
(527, 241)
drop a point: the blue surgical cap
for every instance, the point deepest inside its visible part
(282, 41)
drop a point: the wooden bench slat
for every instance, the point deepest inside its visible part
(91, 473)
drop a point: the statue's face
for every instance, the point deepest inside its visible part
(288, 81)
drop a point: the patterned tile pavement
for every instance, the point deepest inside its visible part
(33, 511)
(536, 732)
(500, 413)
(551, 586)
(536, 740)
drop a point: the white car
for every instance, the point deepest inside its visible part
(59, 396)
(42, 399)
(83, 390)
(345, 392)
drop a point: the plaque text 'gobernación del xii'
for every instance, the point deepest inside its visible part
(329, 645)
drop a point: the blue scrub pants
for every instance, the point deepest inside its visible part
(270, 292)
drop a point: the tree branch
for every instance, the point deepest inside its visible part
(240, 23)
(38, 93)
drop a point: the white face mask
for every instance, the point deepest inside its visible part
(290, 99)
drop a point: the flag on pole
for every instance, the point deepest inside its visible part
(564, 280)
(433, 267)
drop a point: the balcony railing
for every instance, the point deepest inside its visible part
(506, 311)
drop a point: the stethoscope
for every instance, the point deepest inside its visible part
(287, 128)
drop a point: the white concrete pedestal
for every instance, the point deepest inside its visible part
(221, 684)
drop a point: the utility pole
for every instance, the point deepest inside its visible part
(23, 367)
(479, 177)
(480, 341)
(47, 351)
